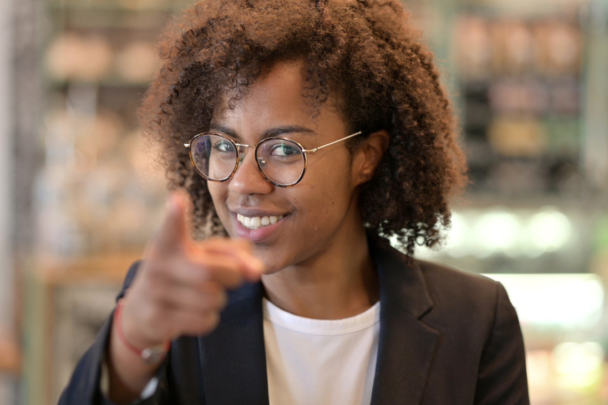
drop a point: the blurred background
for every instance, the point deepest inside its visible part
(80, 193)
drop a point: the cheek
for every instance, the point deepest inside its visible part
(219, 193)
(326, 202)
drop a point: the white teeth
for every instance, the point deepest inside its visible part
(257, 222)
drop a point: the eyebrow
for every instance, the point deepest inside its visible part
(269, 133)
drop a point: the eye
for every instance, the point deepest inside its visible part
(284, 149)
(223, 146)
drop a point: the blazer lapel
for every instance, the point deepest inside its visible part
(233, 356)
(406, 345)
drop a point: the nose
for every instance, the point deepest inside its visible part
(248, 179)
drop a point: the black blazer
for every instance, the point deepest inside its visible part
(446, 337)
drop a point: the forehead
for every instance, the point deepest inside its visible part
(275, 98)
(276, 92)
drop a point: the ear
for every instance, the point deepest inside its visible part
(368, 156)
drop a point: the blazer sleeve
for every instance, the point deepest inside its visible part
(83, 388)
(502, 375)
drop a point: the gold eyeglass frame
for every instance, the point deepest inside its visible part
(240, 155)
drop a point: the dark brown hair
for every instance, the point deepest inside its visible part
(365, 53)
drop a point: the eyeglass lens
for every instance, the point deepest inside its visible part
(215, 157)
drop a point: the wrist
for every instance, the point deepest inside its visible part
(149, 352)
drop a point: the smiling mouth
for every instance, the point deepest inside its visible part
(257, 222)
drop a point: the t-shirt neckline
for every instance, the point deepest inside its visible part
(297, 323)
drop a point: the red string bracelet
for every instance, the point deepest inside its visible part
(149, 355)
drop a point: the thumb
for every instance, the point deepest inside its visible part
(174, 231)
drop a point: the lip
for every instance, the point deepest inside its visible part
(250, 212)
(261, 234)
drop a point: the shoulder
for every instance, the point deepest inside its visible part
(435, 291)
(467, 304)
(480, 332)
(447, 285)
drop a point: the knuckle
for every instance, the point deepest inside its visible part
(155, 270)
(215, 301)
(235, 280)
(159, 312)
(207, 323)
(222, 299)
(204, 274)
(170, 331)
(211, 287)
(213, 319)
(155, 293)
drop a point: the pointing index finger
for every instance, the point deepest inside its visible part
(174, 232)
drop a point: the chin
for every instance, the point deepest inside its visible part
(271, 258)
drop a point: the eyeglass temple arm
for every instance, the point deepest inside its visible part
(331, 143)
(187, 145)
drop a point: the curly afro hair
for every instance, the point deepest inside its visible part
(363, 52)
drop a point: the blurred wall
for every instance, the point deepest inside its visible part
(6, 174)
(6, 164)
(5, 155)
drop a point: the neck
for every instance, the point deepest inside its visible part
(338, 283)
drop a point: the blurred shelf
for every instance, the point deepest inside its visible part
(104, 82)
(109, 6)
(110, 268)
(102, 16)
(67, 302)
(521, 8)
(91, 20)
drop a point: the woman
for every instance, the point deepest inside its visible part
(309, 133)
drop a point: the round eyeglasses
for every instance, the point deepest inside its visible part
(281, 161)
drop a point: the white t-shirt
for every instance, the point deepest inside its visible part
(320, 362)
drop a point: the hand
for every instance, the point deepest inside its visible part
(181, 285)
